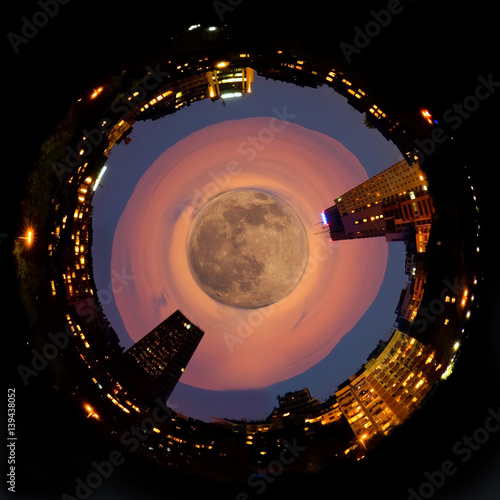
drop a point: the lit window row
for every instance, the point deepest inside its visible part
(375, 217)
(377, 112)
(117, 403)
(293, 66)
(157, 99)
(331, 76)
(354, 93)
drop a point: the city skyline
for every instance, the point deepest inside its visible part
(233, 110)
(84, 191)
(74, 412)
(399, 360)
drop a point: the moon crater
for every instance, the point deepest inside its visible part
(247, 248)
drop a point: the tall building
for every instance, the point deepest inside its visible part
(412, 295)
(163, 354)
(389, 387)
(394, 204)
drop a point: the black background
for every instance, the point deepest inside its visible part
(430, 55)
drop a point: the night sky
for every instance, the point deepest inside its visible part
(427, 57)
(293, 347)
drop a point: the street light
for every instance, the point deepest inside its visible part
(363, 437)
(91, 412)
(29, 237)
(96, 92)
(427, 115)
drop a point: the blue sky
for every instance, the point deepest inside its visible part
(321, 110)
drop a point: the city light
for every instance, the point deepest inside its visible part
(91, 412)
(406, 368)
(449, 369)
(96, 93)
(427, 115)
(229, 95)
(101, 173)
(464, 298)
(29, 236)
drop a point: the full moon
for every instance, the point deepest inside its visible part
(247, 248)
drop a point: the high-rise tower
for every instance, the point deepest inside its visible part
(389, 387)
(163, 354)
(394, 203)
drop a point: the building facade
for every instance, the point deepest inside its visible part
(223, 82)
(163, 354)
(394, 204)
(297, 402)
(389, 387)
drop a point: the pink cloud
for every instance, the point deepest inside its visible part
(245, 349)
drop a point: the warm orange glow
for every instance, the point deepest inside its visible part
(426, 115)
(233, 370)
(464, 298)
(96, 93)
(222, 64)
(91, 412)
(29, 236)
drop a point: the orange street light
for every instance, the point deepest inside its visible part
(91, 412)
(96, 93)
(29, 236)
(362, 439)
(427, 115)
